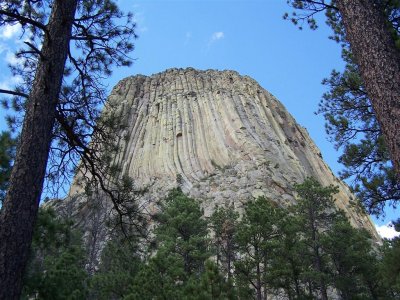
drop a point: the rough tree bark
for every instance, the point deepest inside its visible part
(375, 53)
(20, 207)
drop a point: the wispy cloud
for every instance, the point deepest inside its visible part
(12, 59)
(188, 37)
(10, 83)
(387, 231)
(217, 36)
(8, 37)
(139, 19)
(8, 32)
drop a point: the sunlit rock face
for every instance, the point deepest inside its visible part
(219, 136)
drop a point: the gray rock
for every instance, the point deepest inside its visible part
(223, 134)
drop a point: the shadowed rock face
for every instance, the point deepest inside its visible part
(218, 135)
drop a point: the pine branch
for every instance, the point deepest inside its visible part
(14, 93)
(23, 20)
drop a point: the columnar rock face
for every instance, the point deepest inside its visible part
(219, 136)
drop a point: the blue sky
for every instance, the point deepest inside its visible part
(248, 36)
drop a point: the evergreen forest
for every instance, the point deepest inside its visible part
(306, 251)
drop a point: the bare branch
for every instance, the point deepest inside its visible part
(88, 38)
(36, 50)
(14, 93)
(322, 3)
(23, 20)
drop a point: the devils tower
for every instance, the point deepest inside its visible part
(219, 136)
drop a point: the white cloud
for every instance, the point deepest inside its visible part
(217, 36)
(12, 59)
(10, 31)
(139, 19)
(10, 82)
(387, 231)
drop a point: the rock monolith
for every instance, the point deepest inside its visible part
(219, 136)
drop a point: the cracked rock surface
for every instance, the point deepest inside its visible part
(221, 137)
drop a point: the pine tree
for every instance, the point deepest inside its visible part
(163, 277)
(375, 52)
(71, 45)
(56, 269)
(256, 238)
(119, 264)
(212, 285)
(316, 213)
(390, 268)
(352, 125)
(336, 256)
(353, 121)
(288, 265)
(183, 231)
(223, 223)
(354, 264)
(182, 248)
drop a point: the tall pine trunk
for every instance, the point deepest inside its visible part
(20, 207)
(376, 54)
(259, 285)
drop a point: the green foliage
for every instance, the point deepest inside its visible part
(390, 268)
(64, 276)
(304, 12)
(224, 222)
(129, 218)
(354, 265)
(56, 269)
(303, 252)
(183, 231)
(315, 208)
(297, 253)
(287, 266)
(335, 254)
(72, 54)
(352, 126)
(212, 285)
(256, 238)
(182, 249)
(7, 153)
(316, 214)
(162, 278)
(119, 264)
